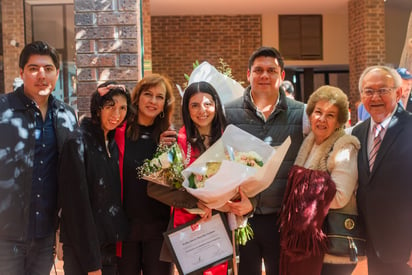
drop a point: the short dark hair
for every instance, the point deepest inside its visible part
(266, 51)
(218, 122)
(97, 102)
(38, 48)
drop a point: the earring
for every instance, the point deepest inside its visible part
(162, 114)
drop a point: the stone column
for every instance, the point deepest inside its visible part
(147, 34)
(108, 45)
(406, 58)
(12, 14)
(366, 42)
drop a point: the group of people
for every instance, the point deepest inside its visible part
(82, 178)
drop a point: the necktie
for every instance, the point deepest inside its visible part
(377, 140)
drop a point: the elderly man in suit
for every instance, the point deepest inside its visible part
(384, 194)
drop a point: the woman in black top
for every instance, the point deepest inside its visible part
(148, 218)
(89, 183)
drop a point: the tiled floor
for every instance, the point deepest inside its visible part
(361, 269)
(57, 269)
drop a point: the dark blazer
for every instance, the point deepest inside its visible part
(17, 154)
(89, 183)
(409, 105)
(384, 195)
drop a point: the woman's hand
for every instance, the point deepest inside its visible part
(207, 212)
(96, 272)
(241, 207)
(168, 137)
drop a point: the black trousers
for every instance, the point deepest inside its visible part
(264, 245)
(141, 251)
(337, 269)
(72, 266)
(377, 267)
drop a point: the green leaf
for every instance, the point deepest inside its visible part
(192, 183)
(243, 234)
(259, 162)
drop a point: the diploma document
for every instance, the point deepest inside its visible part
(196, 247)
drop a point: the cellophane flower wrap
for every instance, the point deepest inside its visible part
(231, 156)
(165, 167)
(224, 185)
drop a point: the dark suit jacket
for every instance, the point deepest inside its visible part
(384, 195)
(409, 105)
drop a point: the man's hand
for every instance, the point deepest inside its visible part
(96, 272)
(239, 208)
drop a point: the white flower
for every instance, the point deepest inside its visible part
(165, 167)
(250, 158)
(164, 160)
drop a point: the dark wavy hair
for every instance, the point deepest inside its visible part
(161, 122)
(97, 102)
(218, 123)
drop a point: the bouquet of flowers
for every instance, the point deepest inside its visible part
(237, 159)
(165, 167)
(246, 158)
(254, 171)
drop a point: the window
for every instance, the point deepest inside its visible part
(300, 37)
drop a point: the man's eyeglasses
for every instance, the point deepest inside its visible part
(270, 71)
(380, 92)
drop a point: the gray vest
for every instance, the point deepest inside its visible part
(285, 121)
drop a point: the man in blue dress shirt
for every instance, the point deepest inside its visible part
(34, 126)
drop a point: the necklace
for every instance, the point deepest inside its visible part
(106, 142)
(188, 154)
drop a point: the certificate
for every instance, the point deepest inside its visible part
(196, 247)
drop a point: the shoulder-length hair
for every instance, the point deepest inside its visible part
(98, 101)
(218, 122)
(163, 120)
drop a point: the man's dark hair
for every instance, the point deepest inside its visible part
(266, 51)
(38, 48)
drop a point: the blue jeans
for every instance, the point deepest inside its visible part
(32, 257)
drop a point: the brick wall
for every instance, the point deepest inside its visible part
(13, 29)
(366, 41)
(177, 41)
(107, 45)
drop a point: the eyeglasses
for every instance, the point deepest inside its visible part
(380, 92)
(270, 71)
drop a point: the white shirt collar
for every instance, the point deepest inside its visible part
(259, 112)
(384, 123)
